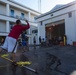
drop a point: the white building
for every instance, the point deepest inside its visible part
(59, 21)
(10, 11)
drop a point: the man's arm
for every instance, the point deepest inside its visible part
(27, 26)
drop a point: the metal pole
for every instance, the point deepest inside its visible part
(33, 70)
(39, 5)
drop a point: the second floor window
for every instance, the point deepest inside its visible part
(34, 31)
(12, 13)
(22, 15)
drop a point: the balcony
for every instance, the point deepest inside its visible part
(10, 18)
(14, 18)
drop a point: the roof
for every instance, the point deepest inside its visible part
(56, 8)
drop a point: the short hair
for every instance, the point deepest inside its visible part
(18, 21)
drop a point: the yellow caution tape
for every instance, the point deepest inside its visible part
(20, 63)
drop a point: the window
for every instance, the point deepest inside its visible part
(12, 13)
(22, 15)
(34, 31)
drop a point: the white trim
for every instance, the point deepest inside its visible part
(3, 34)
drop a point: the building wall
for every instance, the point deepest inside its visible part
(70, 28)
(34, 34)
(2, 9)
(41, 31)
(17, 13)
(70, 23)
(2, 26)
(6, 18)
(32, 17)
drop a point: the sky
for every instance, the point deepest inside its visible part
(46, 5)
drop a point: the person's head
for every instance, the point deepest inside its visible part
(18, 22)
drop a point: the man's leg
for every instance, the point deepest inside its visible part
(13, 56)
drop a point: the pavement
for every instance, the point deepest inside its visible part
(55, 60)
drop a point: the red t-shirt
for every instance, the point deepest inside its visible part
(17, 30)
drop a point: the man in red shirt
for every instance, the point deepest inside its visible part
(10, 43)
